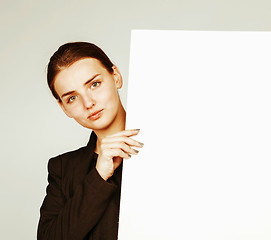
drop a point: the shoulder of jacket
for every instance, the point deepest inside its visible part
(55, 164)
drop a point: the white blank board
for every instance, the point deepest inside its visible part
(203, 103)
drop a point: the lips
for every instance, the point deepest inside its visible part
(96, 115)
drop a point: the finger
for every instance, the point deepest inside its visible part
(127, 140)
(122, 145)
(127, 133)
(119, 153)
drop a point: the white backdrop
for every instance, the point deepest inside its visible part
(202, 101)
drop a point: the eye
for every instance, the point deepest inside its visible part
(95, 84)
(71, 99)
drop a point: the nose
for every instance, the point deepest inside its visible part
(88, 100)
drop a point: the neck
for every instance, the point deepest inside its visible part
(117, 125)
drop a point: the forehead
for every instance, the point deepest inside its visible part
(81, 68)
(77, 74)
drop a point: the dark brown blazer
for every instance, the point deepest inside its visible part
(79, 204)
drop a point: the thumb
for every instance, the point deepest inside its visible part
(116, 162)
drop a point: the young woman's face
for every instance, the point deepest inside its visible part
(89, 94)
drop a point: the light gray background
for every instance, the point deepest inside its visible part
(33, 128)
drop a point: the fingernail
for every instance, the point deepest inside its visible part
(137, 129)
(129, 155)
(142, 144)
(136, 151)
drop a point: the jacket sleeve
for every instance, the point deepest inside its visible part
(72, 218)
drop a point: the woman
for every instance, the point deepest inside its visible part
(83, 194)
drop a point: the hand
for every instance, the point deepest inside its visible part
(113, 149)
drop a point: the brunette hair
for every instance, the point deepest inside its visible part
(69, 53)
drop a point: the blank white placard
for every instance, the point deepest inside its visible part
(203, 103)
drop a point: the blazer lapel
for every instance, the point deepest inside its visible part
(85, 162)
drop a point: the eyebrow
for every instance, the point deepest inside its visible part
(91, 79)
(87, 82)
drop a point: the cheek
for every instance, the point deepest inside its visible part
(108, 97)
(75, 111)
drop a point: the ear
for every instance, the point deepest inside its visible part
(117, 77)
(60, 103)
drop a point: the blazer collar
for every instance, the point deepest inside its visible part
(91, 145)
